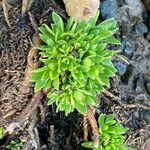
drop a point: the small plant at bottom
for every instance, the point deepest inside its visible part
(111, 135)
(14, 145)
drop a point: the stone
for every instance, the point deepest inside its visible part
(141, 28)
(108, 8)
(121, 67)
(145, 114)
(135, 7)
(128, 47)
(81, 9)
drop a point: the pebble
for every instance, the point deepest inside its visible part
(141, 28)
(108, 8)
(135, 7)
(145, 114)
(121, 67)
(128, 47)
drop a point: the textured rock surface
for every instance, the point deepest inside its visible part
(81, 9)
(108, 8)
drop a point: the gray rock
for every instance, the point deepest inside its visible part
(145, 114)
(141, 28)
(128, 47)
(121, 67)
(108, 8)
(135, 7)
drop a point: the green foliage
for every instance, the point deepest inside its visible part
(13, 145)
(111, 135)
(76, 62)
(1, 132)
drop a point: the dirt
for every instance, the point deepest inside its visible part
(130, 88)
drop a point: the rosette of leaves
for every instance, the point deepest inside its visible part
(76, 62)
(111, 135)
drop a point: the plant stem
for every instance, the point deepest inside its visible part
(85, 128)
(93, 123)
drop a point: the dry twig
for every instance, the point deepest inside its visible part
(93, 123)
(5, 10)
(118, 100)
(26, 4)
(31, 107)
(31, 63)
(85, 128)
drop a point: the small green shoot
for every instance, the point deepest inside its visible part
(111, 135)
(1, 132)
(13, 145)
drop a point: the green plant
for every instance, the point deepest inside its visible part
(13, 145)
(111, 135)
(76, 62)
(1, 132)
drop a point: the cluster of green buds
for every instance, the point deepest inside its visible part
(76, 61)
(111, 135)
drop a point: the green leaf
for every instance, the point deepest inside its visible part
(74, 27)
(43, 30)
(110, 120)
(80, 107)
(94, 19)
(78, 95)
(108, 72)
(39, 85)
(53, 74)
(87, 62)
(109, 23)
(91, 74)
(95, 41)
(112, 40)
(35, 76)
(90, 101)
(58, 21)
(105, 34)
(101, 120)
(102, 46)
(81, 25)
(69, 23)
(44, 48)
(104, 80)
(47, 84)
(2, 130)
(71, 68)
(116, 129)
(56, 83)
(49, 30)
(51, 101)
(88, 144)
(42, 69)
(67, 109)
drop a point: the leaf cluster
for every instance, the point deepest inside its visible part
(76, 62)
(111, 134)
(14, 145)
